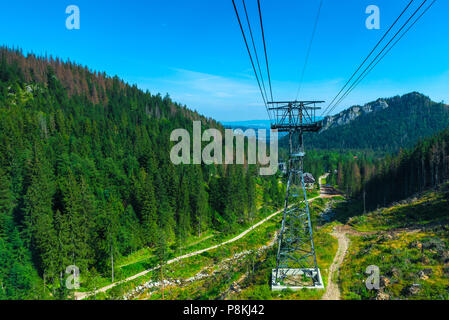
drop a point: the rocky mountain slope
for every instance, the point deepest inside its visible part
(348, 115)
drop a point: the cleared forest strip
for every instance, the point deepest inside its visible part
(83, 295)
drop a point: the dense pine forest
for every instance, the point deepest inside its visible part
(378, 182)
(410, 171)
(85, 175)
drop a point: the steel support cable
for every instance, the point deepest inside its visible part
(309, 49)
(403, 34)
(255, 51)
(375, 59)
(249, 53)
(365, 72)
(366, 59)
(265, 49)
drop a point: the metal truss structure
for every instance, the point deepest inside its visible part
(296, 265)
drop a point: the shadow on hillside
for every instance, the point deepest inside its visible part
(345, 210)
(432, 207)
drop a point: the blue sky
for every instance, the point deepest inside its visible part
(194, 50)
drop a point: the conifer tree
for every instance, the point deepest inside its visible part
(149, 213)
(39, 217)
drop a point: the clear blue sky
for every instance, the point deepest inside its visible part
(194, 50)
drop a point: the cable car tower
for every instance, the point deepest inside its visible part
(296, 265)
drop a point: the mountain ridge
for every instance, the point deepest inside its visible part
(387, 124)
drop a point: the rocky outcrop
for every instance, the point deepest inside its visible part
(414, 289)
(349, 115)
(425, 274)
(382, 296)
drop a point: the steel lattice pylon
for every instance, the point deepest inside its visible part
(296, 265)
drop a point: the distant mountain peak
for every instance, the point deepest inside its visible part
(386, 124)
(348, 115)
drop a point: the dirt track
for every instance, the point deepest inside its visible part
(341, 234)
(332, 290)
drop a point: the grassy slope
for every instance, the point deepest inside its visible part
(145, 258)
(409, 243)
(326, 247)
(256, 286)
(203, 289)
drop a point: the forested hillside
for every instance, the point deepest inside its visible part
(378, 182)
(412, 170)
(384, 126)
(85, 175)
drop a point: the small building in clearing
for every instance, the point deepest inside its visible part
(309, 180)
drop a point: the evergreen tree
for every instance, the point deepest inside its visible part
(149, 213)
(183, 211)
(40, 231)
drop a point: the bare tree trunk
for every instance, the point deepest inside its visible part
(162, 280)
(112, 264)
(364, 201)
(423, 174)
